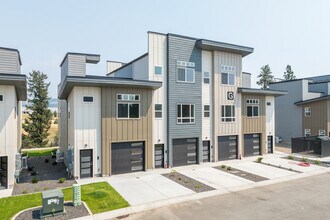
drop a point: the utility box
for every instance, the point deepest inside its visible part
(52, 203)
(76, 194)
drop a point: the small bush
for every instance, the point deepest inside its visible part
(317, 162)
(33, 173)
(304, 159)
(54, 163)
(24, 191)
(55, 121)
(290, 157)
(223, 166)
(198, 186)
(30, 168)
(35, 180)
(228, 168)
(259, 159)
(47, 160)
(61, 180)
(24, 153)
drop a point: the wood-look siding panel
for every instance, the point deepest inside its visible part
(254, 124)
(125, 130)
(318, 119)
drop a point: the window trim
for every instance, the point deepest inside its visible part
(309, 133)
(127, 100)
(190, 118)
(3, 98)
(209, 78)
(233, 118)
(185, 68)
(204, 111)
(85, 101)
(320, 132)
(228, 73)
(156, 74)
(253, 103)
(310, 111)
(127, 103)
(161, 111)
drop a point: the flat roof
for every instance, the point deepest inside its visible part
(102, 81)
(94, 58)
(262, 91)
(312, 100)
(17, 80)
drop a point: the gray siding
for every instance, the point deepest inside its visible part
(73, 65)
(63, 125)
(320, 87)
(183, 49)
(9, 61)
(125, 72)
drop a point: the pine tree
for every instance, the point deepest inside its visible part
(265, 76)
(289, 74)
(38, 122)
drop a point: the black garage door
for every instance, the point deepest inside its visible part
(227, 147)
(251, 145)
(184, 151)
(127, 157)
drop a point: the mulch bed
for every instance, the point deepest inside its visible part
(71, 213)
(320, 163)
(280, 167)
(47, 174)
(241, 173)
(188, 182)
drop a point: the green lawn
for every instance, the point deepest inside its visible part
(100, 197)
(39, 153)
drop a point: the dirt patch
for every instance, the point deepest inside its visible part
(314, 162)
(280, 167)
(71, 213)
(241, 173)
(188, 182)
(48, 176)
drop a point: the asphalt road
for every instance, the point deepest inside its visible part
(307, 198)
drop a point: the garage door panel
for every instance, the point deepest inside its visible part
(227, 147)
(184, 151)
(251, 145)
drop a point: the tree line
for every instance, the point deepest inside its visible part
(266, 77)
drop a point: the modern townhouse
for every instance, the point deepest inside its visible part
(202, 107)
(305, 109)
(12, 93)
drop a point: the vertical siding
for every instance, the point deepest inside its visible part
(270, 115)
(9, 61)
(157, 55)
(125, 72)
(124, 130)
(71, 130)
(183, 49)
(63, 125)
(318, 119)
(140, 69)
(112, 66)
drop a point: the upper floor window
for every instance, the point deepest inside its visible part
(228, 113)
(308, 111)
(206, 77)
(158, 111)
(158, 70)
(88, 99)
(321, 132)
(185, 114)
(307, 132)
(128, 97)
(252, 107)
(128, 110)
(206, 111)
(1, 98)
(228, 78)
(186, 75)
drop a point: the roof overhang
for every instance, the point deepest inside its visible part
(102, 81)
(17, 80)
(312, 100)
(262, 91)
(220, 46)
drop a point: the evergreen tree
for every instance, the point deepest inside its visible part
(38, 121)
(289, 74)
(265, 76)
(55, 114)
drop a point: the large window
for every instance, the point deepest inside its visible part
(185, 114)
(228, 78)
(206, 77)
(252, 108)
(206, 111)
(308, 111)
(158, 111)
(129, 109)
(186, 75)
(227, 113)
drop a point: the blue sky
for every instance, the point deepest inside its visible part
(281, 32)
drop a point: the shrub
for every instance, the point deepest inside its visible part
(56, 121)
(24, 191)
(223, 166)
(228, 168)
(259, 159)
(24, 153)
(198, 186)
(30, 168)
(290, 157)
(33, 173)
(61, 180)
(47, 160)
(304, 159)
(35, 180)
(54, 163)
(317, 162)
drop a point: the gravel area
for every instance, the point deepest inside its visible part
(71, 213)
(241, 173)
(280, 167)
(188, 182)
(318, 163)
(47, 174)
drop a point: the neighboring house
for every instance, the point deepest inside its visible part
(12, 92)
(201, 107)
(305, 109)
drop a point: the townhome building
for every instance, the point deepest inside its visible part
(201, 107)
(305, 109)
(12, 93)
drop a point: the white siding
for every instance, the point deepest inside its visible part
(140, 69)
(9, 61)
(207, 95)
(157, 56)
(112, 66)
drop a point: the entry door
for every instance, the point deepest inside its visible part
(159, 155)
(270, 144)
(86, 163)
(4, 172)
(206, 151)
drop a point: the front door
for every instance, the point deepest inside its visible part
(3, 172)
(86, 163)
(206, 151)
(270, 144)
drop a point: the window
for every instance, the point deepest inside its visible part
(158, 70)
(186, 75)
(321, 132)
(128, 97)
(227, 113)
(308, 111)
(206, 111)
(228, 78)
(307, 132)
(158, 111)
(252, 108)
(269, 103)
(1, 98)
(185, 114)
(206, 78)
(88, 99)
(128, 110)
